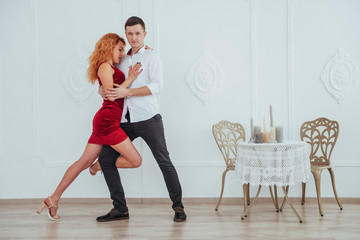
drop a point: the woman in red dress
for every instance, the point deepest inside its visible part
(106, 124)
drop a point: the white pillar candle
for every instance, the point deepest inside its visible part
(279, 134)
(271, 117)
(252, 129)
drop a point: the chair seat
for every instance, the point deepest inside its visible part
(230, 166)
(316, 166)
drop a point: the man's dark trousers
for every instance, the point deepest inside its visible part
(152, 131)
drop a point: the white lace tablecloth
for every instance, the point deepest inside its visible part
(270, 164)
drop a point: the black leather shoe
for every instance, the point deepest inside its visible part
(180, 215)
(113, 215)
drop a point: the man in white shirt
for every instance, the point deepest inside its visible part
(140, 118)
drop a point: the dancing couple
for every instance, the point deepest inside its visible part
(128, 85)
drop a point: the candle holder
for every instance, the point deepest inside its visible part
(266, 137)
(258, 137)
(252, 138)
(272, 137)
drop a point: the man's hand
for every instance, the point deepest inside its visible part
(102, 93)
(117, 92)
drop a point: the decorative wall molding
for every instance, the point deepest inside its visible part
(253, 59)
(221, 164)
(350, 163)
(75, 78)
(73, 84)
(37, 151)
(339, 75)
(290, 64)
(204, 77)
(1, 115)
(200, 164)
(156, 24)
(253, 84)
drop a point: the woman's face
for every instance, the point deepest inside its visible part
(118, 53)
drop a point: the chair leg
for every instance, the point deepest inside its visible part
(303, 193)
(248, 194)
(334, 188)
(222, 189)
(272, 198)
(292, 207)
(317, 178)
(252, 203)
(284, 200)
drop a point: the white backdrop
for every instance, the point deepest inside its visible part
(240, 55)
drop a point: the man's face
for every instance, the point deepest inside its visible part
(135, 35)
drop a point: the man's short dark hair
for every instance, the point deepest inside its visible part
(134, 21)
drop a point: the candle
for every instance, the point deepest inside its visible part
(252, 129)
(271, 117)
(266, 137)
(279, 134)
(264, 127)
(257, 129)
(258, 137)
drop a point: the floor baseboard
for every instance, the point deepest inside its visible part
(167, 200)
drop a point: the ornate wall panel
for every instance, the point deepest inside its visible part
(205, 77)
(339, 75)
(64, 101)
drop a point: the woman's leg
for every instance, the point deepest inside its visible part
(130, 157)
(91, 152)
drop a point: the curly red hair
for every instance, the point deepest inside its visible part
(102, 52)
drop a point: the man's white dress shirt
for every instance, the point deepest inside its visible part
(143, 107)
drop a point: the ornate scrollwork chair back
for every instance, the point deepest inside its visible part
(322, 135)
(227, 135)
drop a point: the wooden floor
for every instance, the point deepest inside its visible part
(152, 219)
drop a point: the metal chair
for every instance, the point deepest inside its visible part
(322, 135)
(227, 135)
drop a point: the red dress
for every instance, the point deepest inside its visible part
(106, 123)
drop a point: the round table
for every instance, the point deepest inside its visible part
(273, 164)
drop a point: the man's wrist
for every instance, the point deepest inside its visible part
(128, 92)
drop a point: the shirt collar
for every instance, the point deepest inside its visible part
(141, 50)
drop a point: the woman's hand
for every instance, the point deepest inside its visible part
(134, 71)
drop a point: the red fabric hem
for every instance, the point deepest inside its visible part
(99, 140)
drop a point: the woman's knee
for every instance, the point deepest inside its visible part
(84, 163)
(137, 161)
(86, 160)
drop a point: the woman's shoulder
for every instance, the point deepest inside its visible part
(105, 67)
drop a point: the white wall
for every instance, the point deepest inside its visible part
(268, 52)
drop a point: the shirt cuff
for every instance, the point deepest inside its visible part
(154, 88)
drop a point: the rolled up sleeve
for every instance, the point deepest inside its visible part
(155, 74)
